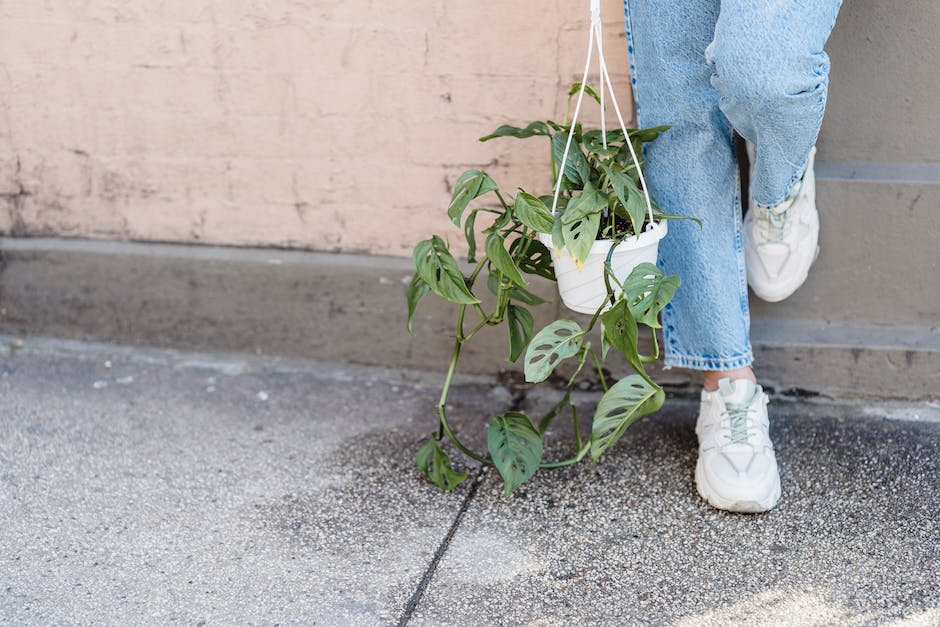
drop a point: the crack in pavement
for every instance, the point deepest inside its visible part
(441, 549)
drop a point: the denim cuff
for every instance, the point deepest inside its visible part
(706, 363)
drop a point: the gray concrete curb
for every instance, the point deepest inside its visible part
(350, 308)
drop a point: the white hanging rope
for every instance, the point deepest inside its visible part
(597, 36)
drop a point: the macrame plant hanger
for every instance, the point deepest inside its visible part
(596, 39)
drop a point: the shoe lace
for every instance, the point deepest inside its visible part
(739, 423)
(774, 226)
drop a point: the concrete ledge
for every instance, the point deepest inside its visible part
(350, 308)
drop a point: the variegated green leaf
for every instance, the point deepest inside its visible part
(416, 291)
(436, 466)
(438, 268)
(647, 290)
(624, 403)
(516, 448)
(520, 323)
(497, 253)
(533, 213)
(471, 184)
(550, 346)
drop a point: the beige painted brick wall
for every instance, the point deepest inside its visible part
(325, 124)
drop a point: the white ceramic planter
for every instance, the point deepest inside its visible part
(584, 290)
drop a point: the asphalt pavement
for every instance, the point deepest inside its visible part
(142, 486)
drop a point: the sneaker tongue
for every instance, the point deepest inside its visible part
(739, 391)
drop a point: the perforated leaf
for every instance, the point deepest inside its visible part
(520, 323)
(516, 448)
(647, 291)
(586, 202)
(471, 184)
(580, 235)
(624, 403)
(436, 466)
(550, 346)
(438, 268)
(536, 259)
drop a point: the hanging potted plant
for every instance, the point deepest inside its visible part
(598, 236)
(519, 242)
(601, 213)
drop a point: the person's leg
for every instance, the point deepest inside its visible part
(773, 74)
(771, 69)
(692, 170)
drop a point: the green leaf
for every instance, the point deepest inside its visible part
(537, 259)
(496, 251)
(618, 329)
(438, 268)
(576, 87)
(593, 142)
(647, 134)
(630, 197)
(584, 203)
(436, 466)
(577, 169)
(502, 221)
(533, 213)
(416, 291)
(523, 295)
(580, 236)
(471, 184)
(515, 293)
(520, 330)
(647, 290)
(516, 448)
(535, 128)
(659, 215)
(625, 402)
(469, 232)
(550, 346)
(558, 236)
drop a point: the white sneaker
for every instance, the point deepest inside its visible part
(781, 243)
(737, 468)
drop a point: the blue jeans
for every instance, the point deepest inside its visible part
(708, 68)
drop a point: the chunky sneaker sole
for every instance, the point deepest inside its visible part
(757, 505)
(779, 253)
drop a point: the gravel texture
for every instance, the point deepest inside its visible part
(154, 487)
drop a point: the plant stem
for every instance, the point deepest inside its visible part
(463, 449)
(502, 200)
(547, 418)
(577, 426)
(446, 388)
(475, 329)
(600, 372)
(443, 426)
(571, 460)
(476, 272)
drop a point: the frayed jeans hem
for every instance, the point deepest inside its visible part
(705, 363)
